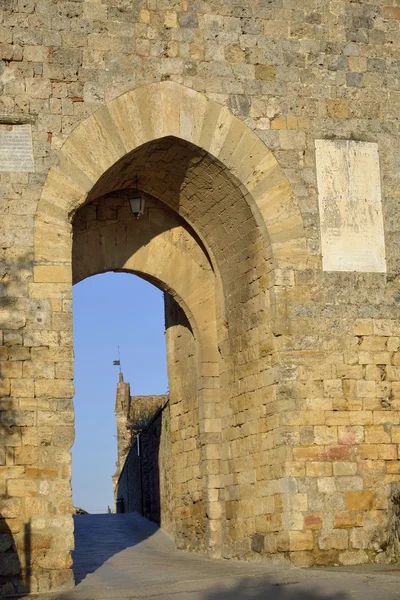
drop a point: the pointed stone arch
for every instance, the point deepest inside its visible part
(131, 122)
(161, 250)
(169, 109)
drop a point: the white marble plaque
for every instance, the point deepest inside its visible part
(16, 152)
(350, 206)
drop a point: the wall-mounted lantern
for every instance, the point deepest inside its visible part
(136, 202)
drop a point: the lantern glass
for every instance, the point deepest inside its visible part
(136, 202)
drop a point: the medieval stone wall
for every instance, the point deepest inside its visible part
(216, 106)
(133, 414)
(189, 517)
(145, 484)
(122, 405)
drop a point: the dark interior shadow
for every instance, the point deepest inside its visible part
(13, 578)
(96, 542)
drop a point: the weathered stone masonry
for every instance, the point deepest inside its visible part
(166, 486)
(212, 109)
(133, 415)
(145, 482)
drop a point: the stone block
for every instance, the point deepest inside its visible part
(353, 557)
(282, 541)
(54, 388)
(301, 540)
(325, 435)
(311, 453)
(38, 369)
(298, 502)
(347, 520)
(378, 451)
(12, 319)
(292, 140)
(52, 274)
(338, 109)
(312, 522)
(352, 434)
(360, 539)
(26, 455)
(326, 485)
(336, 539)
(344, 468)
(257, 543)
(337, 453)
(22, 388)
(377, 434)
(364, 327)
(349, 483)
(11, 369)
(360, 500)
(21, 488)
(17, 418)
(64, 436)
(265, 72)
(302, 559)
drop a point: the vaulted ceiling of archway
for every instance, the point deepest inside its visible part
(159, 247)
(207, 197)
(204, 193)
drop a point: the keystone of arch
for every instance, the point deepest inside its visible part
(166, 109)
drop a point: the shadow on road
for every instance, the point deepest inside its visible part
(249, 589)
(96, 541)
(124, 556)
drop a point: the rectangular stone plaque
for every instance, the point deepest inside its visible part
(16, 152)
(350, 206)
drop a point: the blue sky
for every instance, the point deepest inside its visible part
(110, 310)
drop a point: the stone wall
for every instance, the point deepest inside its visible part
(189, 529)
(213, 109)
(145, 483)
(142, 410)
(133, 413)
(122, 407)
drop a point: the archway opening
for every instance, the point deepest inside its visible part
(201, 242)
(238, 203)
(220, 216)
(117, 318)
(164, 250)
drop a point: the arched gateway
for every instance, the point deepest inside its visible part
(258, 444)
(230, 205)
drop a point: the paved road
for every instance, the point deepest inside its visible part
(124, 557)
